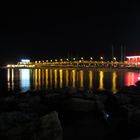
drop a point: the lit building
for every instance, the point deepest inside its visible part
(25, 61)
(134, 60)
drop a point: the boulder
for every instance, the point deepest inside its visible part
(21, 126)
(78, 104)
(50, 127)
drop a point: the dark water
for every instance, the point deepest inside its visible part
(61, 78)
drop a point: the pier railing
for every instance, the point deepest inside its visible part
(80, 63)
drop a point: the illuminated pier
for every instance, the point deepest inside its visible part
(132, 61)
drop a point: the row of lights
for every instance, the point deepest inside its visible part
(61, 60)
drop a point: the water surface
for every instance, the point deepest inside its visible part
(62, 78)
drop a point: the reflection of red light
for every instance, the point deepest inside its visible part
(131, 78)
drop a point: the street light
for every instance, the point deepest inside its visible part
(73, 59)
(114, 58)
(82, 58)
(101, 58)
(91, 58)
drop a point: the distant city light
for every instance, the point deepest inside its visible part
(91, 58)
(114, 58)
(25, 60)
(101, 58)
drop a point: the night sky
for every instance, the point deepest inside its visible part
(48, 33)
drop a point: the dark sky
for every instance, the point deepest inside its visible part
(40, 34)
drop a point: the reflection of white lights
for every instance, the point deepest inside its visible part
(138, 77)
(25, 79)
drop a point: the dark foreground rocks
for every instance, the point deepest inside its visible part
(21, 126)
(30, 117)
(56, 116)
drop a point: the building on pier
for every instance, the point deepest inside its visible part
(133, 60)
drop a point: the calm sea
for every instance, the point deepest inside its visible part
(61, 78)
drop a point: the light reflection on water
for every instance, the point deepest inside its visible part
(131, 78)
(81, 79)
(24, 79)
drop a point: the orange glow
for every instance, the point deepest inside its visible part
(43, 76)
(36, 79)
(47, 78)
(55, 78)
(39, 79)
(101, 80)
(81, 79)
(73, 78)
(114, 77)
(51, 78)
(61, 78)
(67, 78)
(90, 79)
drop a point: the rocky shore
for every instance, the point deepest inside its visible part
(42, 115)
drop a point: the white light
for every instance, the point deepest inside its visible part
(101, 58)
(25, 60)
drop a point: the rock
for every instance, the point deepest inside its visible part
(138, 83)
(50, 127)
(123, 99)
(134, 118)
(77, 104)
(21, 126)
